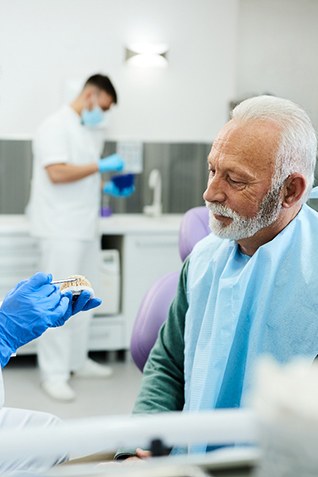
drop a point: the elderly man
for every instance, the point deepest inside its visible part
(251, 287)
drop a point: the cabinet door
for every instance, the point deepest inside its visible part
(19, 259)
(146, 258)
(106, 334)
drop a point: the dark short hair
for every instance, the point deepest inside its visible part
(104, 83)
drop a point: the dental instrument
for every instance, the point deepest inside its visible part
(64, 280)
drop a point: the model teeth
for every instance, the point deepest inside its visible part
(79, 280)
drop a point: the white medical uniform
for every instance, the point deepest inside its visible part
(11, 418)
(64, 217)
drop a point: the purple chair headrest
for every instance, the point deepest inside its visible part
(194, 227)
(152, 313)
(155, 305)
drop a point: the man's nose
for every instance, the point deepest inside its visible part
(214, 191)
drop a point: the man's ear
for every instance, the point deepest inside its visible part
(294, 189)
(88, 92)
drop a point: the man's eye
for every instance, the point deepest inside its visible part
(211, 172)
(234, 181)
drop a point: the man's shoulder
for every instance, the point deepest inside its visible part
(57, 119)
(307, 220)
(310, 213)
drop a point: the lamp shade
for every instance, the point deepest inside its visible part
(147, 55)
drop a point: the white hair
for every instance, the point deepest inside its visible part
(298, 142)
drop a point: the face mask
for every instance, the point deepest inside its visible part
(92, 117)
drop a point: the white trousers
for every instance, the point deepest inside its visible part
(64, 349)
(18, 419)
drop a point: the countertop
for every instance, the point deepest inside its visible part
(139, 223)
(115, 224)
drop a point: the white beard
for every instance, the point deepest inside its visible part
(244, 227)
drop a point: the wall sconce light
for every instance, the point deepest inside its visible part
(147, 55)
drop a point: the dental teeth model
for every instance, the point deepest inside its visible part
(76, 284)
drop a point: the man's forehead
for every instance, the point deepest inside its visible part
(247, 137)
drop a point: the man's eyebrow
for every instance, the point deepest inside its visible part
(238, 172)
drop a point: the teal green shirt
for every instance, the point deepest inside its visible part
(162, 386)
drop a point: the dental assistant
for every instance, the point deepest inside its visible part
(63, 212)
(27, 311)
(251, 287)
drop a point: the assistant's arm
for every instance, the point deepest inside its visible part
(64, 173)
(162, 387)
(51, 148)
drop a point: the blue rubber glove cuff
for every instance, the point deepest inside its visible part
(6, 348)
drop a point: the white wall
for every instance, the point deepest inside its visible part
(278, 50)
(44, 43)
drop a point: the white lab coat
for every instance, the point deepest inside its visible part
(68, 210)
(11, 418)
(65, 217)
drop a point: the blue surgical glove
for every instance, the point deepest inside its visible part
(82, 302)
(114, 162)
(28, 310)
(111, 189)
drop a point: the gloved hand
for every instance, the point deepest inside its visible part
(82, 302)
(28, 310)
(111, 189)
(114, 162)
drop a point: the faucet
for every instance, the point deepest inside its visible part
(154, 182)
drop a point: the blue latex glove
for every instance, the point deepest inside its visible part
(114, 162)
(82, 302)
(110, 189)
(28, 310)
(33, 306)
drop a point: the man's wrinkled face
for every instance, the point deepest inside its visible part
(240, 195)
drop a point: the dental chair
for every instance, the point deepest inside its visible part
(155, 305)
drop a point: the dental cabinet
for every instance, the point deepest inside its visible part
(135, 251)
